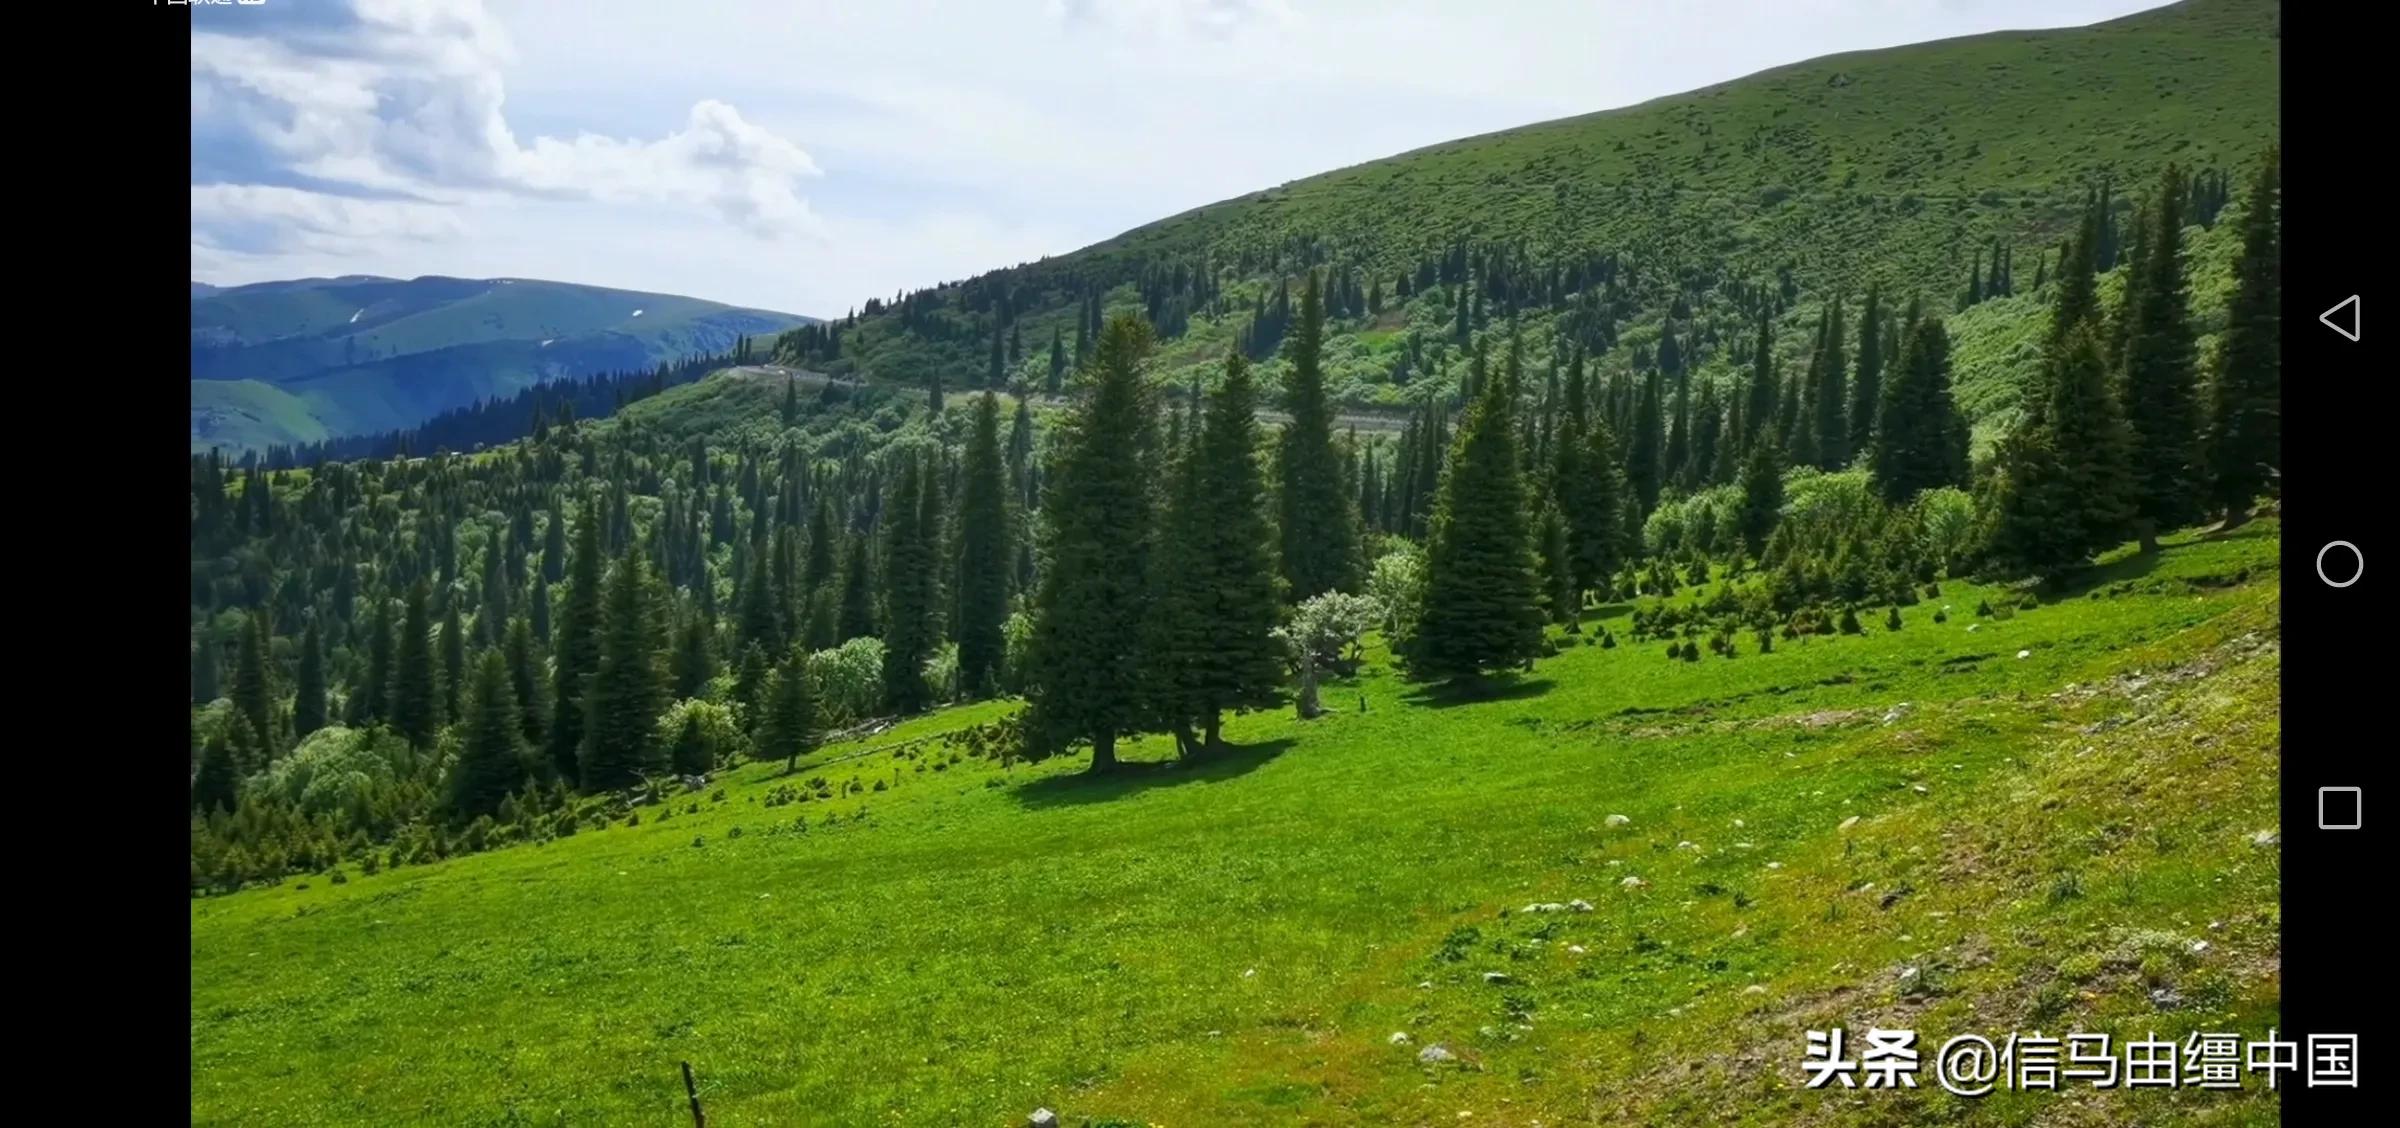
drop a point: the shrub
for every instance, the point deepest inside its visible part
(1983, 609)
(701, 735)
(1940, 616)
(1891, 622)
(1850, 621)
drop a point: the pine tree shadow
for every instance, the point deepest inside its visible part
(1132, 777)
(1506, 687)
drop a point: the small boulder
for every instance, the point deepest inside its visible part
(1436, 1054)
(1580, 905)
(1616, 820)
(1633, 883)
(1754, 989)
(1574, 949)
(2024, 654)
(1399, 1038)
(1042, 1118)
(1497, 978)
(1848, 823)
(2265, 838)
(1974, 627)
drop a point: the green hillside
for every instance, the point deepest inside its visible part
(2042, 837)
(1896, 167)
(365, 354)
(1519, 633)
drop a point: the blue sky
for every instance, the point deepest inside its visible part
(806, 156)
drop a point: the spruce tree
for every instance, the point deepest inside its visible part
(1558, 569)
(787, 724)
(857, 618)
(454, 660)
(204, 669)
(2244, 440)
(371, 701)
(217, 784)
(2161, 399)
(1866, 387)
(2089, 445)
(1647, 451)
(490, 765)
(695, 661)
(626, 694)
(1833, 427)
(253, 695)
(416, 686)
(576, 652)
(1758, 413)
(540, 611)
(911, 623)
(1319, 527)
(1920, 438)
(308, 697)
(761, 617)
(1212, 645)
(1086, 656)
(983, 554)
(1762, 496)
(1058, 364)
(526, 684)
(1482, 602)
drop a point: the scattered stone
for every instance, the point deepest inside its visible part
(1633, 883)
(1436, 1054)
(764, 896)
(1686, 846)
(2199, 946)
(1250, 973)
(1427, 985)
(1580, 905)
(1920, 789)
(1042, 1118)
(2265, 838)
(1774, 865)
(1616, 820)
(2024, 654)
(1546, 907)
(2216, 926)
(1497, 977)
(2165, 998)
(1848, 823)
(1908, 975)
(1745, 846)
(1399, 1038)
(1574, 949)
(1754, 989)
(1974, 627)
(1616, 861)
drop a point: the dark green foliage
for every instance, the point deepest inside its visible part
(216, 784)
(253, 695)
(1559, 593)
(1828, 403)
(1482, 610)
(1920, 438)
(912, 627)
(416, 686)
(526, 682)
(308, 696)
(2161, 396)
(1213, 646)
(1085, 681)
(204, 670)
(2244, 439)
(576, 653)
(1647, 451)
(750, 682)
(627, 693)
(1891, 621)
(1319, 523)
(454, 661)
(1587, 483)
(760, 620)
(695, 659)
(857, 618)
(491, 762)
(983, 554)
(1762, 495)
(1866, 387)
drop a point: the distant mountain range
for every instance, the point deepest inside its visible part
(317, 358)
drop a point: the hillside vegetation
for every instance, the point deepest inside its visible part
(1055, 690)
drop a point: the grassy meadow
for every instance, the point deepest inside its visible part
(1977, 826)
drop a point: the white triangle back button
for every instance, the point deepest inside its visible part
(2343, 318)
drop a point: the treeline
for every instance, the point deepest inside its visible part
(492, 422)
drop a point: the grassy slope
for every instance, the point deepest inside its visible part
(1234, 944)
(1894, 166)
(377, 354)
